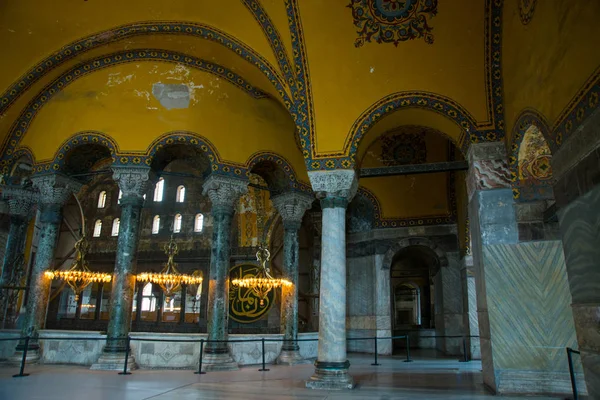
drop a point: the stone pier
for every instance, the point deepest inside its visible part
(224, 193)
(335, 189)
(291, 207)
(54, 191)
(133, 182)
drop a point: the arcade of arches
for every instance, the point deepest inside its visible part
(415, 168)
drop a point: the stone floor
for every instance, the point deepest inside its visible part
(425, 378)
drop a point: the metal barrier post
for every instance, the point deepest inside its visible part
(465, 357)
(407, 350)
(200, 372)
(263, 356)
(572, 373)
(21, 374)
(127, 349)
(375, 363)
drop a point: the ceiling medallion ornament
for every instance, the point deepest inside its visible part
(403, 149)
(526, 10)
(392, 21)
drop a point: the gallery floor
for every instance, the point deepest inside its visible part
(425, 378)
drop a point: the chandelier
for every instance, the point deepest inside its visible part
(262, 283)
(79, 276)
(170, 279)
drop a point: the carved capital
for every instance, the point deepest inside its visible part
(55, 189)
(488, 167)
(133, 181)
(292, 206)
(339, 183)
(224, 191)
(20, 201)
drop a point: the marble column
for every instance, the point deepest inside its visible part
(335, 189)
(54, 191)
(315, 272)
(21, 202)
(291, 206)
(133, 182)
(576, 168)
(224, 193)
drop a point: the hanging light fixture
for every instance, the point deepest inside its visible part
(79, 276)
(262, 283)
(170, 279)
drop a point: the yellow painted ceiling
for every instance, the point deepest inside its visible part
(118, 101)
(346, 80)
(548, 60)
(33, 29)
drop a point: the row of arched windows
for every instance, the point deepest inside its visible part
(158, 194)
(177, 220)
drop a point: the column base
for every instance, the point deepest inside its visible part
(114, 362)
(33, 357)
(218, 362)
(290, 357)
(331, 376)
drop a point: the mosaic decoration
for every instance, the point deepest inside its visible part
(392, 21)
(529, 161)
(244, 306)
(526, 10)
(85, 44)
(403, 149)
(585, 102)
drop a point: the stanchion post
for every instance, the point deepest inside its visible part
(200, 372)
(465, 356)
(407, 350)
(375, 363)
(572, 374)
(127, 350)
(263, 356)
(23, 360)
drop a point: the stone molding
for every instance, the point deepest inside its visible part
(20, 201)
(292, 205)
(335, 183)
(133, 181)
(442, 256)
(55, 189)
(224, 191)
(488, 167)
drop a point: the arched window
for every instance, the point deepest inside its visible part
(120, 195)
(158, 189)
(97, 228)
(115, 227)
(180, 194)
(155, 224)
(177, 223)
(148, 298)
(102, 199)
(198, 222)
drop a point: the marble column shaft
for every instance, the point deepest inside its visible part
(224, 193)
(54, 190)
(335, 189)
(133, 182)
(291, 207)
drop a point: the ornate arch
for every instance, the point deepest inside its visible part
(414, 241)
(533, 189)
(281, 162)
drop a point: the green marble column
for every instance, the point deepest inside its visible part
(133, 182)
(335, 189)
(224, 193)
(54, 191)
(291, 207)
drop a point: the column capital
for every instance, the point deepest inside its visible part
(55, 189)
(292, 206)
(339, 184)
(488, 167)
(224, 191)
(133, 181)
(20, 200)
